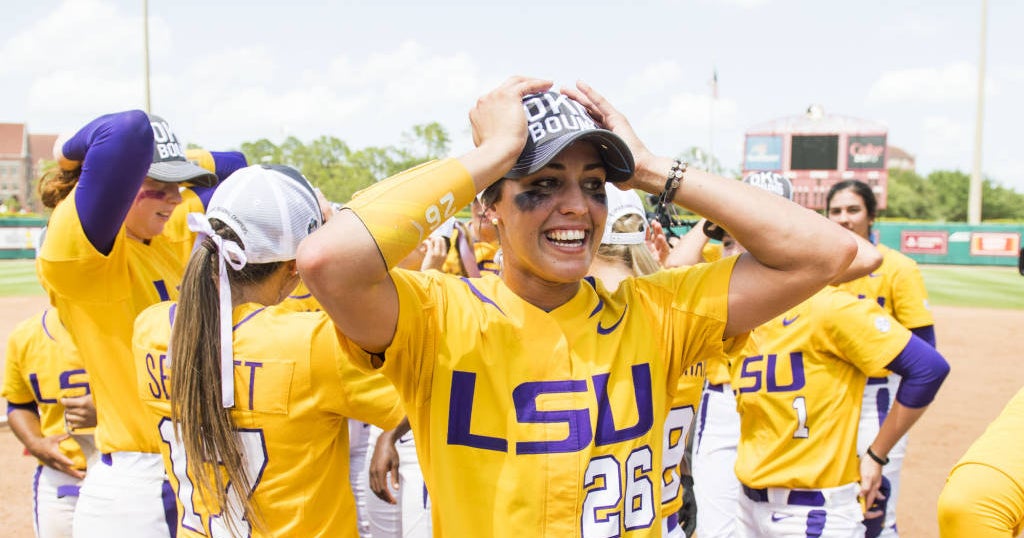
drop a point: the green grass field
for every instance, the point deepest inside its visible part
(984, 286)
(18, 278)
(991, 287)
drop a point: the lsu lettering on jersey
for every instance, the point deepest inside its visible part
(677, 426)
(98, 298)
(37, 370)
(534, 423)
(897, 286)
(294, 388)
(799, 394)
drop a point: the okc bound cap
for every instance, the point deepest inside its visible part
(620, 204)
(554, 122)
(769, 181)
(169, 162)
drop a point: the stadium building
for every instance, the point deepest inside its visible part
(816, 150)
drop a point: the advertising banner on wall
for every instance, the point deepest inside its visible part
(924, 242)
(995, 243)
(865, 153)
(763, 153)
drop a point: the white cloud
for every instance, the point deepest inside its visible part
(943, 135)
(956, 82)
(56, 41)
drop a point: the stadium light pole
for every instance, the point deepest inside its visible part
(145, 47)
(974, 195)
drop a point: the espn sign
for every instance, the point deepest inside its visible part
(995, 243)
(924, 242)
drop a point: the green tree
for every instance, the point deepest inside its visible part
(950, 194)
(999, 202)
(339, 171)
(909, 197)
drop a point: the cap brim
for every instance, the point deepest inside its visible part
(617, 157)
(181, 172)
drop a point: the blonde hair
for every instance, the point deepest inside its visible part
(637, 257)
(207, 431)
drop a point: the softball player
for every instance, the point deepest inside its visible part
(797, 391)
(278, 390)
(984, 494)
(34, 375)
(105, 258)
(540, 392)
(898, 287)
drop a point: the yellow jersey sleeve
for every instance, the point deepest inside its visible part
(860, 332)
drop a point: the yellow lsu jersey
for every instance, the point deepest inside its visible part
(897, 286)
(799, 389)
(685, 405)
(98, 297)
(999, 499)
(548, 423)
(37, 370)
(294, 388)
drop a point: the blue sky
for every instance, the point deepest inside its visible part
(228, 72)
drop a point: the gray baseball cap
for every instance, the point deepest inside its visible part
(554, 122)
(169, 162)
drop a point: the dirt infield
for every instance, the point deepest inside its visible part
(979, 343)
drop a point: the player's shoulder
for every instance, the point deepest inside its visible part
(691, 277)
(159, 316)
(29, 326)
(894, 259)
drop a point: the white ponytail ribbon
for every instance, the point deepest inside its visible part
(228, 253)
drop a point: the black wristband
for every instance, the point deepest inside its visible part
(878, 459)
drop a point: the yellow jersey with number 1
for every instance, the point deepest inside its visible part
(799, 395)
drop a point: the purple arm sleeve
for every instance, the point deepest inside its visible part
(226, 163)
(926, 333)
(31, 406)
(923, 370)
(115, 151)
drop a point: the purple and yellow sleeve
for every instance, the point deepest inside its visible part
(116, 151)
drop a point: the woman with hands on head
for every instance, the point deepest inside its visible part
(543, 395)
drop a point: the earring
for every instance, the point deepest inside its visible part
(494, 221)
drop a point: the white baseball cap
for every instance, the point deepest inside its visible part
(620, 204)
(271, 208)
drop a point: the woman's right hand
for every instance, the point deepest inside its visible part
(499, 129)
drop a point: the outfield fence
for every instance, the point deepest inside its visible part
(925, 242)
